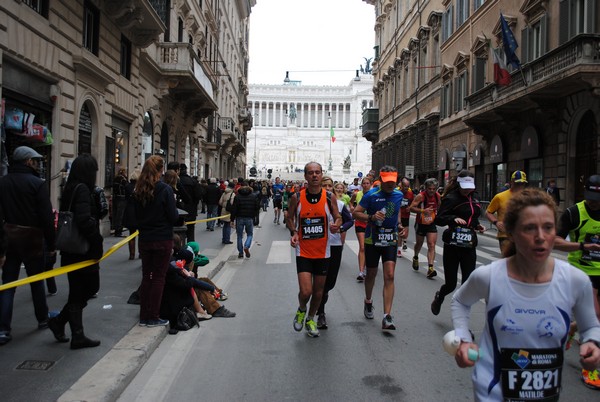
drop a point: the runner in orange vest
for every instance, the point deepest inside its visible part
(308, 222)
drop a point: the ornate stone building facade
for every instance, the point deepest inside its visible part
(293, 125)
(407, 82)
(123, 80)
(545, 121)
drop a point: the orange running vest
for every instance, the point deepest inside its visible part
(313, 227)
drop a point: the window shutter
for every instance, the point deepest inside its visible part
(456, 94)
(563, 23)
(479, 74)
(590, 16)
(463, 103)
(525, 45)
(544, 34)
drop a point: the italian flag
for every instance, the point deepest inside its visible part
(501, 74)
(332, 134)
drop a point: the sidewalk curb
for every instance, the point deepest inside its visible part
(107, 379)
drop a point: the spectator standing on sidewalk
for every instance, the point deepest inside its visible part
(553, 192)
(118, 201)
(129, 216)
(28, 225)
(203, 186)
(213, 194)
(226, 199)
(244, 209)
(156, 214)
(194, 192)
(79, 198)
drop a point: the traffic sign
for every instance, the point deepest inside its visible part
(359, 174)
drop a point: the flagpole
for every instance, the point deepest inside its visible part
(330, 141)
(523, 75)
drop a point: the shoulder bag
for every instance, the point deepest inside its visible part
(68, 237)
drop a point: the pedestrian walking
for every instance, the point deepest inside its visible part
(80, 198)
(244, 209)
(29, 227)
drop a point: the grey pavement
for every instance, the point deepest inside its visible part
(33, 366)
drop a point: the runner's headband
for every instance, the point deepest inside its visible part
(389, 176)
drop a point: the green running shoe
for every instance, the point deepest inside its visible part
(311, 329)
(299, 320)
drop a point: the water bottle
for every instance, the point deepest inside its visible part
(379, 222)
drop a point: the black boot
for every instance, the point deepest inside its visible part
(57, 325)
(79, 340)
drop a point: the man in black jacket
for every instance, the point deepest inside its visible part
(244, 209)
(213, 195)
(194, 191)
(29, 226)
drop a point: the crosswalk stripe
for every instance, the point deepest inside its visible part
(280, 252)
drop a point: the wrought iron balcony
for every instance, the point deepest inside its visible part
(569, 68)
(370, 124)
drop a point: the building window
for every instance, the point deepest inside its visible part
(462, 12)
(576, 16)
(39, 6)
(423, 67)
(446, 109)
(477, 4)
(179, 30)
(479, 73)
(447, 27)
(534, 40)
(461, 91)
(435, 57)
(125, 57)
(91, 27)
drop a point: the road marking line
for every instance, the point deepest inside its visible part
(280, 252)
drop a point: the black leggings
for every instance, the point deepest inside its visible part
(332, 273)
(453, 257)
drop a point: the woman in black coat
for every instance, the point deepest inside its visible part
(78, 197)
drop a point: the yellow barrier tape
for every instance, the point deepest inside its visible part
(83, 264)
(206, 220)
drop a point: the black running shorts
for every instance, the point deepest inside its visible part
(316, 266)
(422, 230)
(373, 253)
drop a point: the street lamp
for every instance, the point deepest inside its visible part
(255, 135)
(330, 168)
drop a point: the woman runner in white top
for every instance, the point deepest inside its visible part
(529, 299)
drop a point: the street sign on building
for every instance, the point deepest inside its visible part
(409, 171)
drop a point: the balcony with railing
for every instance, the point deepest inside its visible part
(370, 124)
(184, 77)
(140, 17)
(569, 68)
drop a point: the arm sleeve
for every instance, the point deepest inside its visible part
(445, 216)
(565, 223)
(474, 289)
(587, 321)
(171, 208)
(347, 219)
(82, 210)
(46, 216)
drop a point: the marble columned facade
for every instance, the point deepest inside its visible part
(292, 126)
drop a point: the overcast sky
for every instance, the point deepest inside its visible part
(307, 36)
